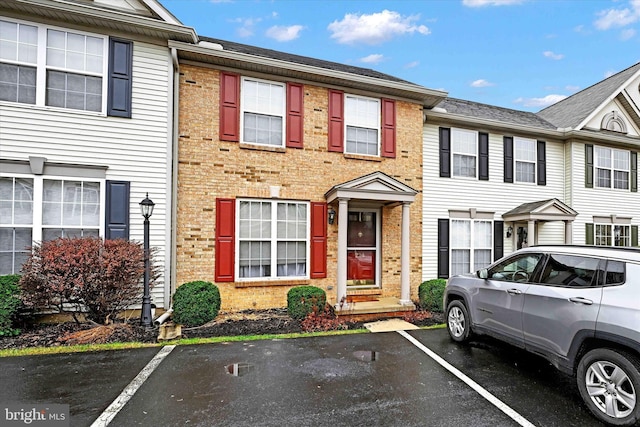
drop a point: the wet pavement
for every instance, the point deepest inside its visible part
(349, 380)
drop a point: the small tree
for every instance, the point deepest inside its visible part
(85, 273)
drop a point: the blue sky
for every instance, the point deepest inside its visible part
(521, 54)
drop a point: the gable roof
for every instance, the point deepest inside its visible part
(543, 210)
(376, 186)
(252, 58)
(572, 111)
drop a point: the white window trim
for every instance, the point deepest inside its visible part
(612, 235)
(453, 153)
(516, 160)
(611, 169)
(346, 124)
(41, 69)
(243, 110)
(273, 242)
(471, 248)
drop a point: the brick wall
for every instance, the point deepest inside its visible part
(210, 168)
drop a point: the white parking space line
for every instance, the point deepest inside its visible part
(474, 385)
(109, 414)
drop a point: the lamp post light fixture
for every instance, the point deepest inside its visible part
(146, 209)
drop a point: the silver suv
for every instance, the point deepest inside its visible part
(577, 306)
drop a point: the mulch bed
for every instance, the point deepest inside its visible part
(249, 322)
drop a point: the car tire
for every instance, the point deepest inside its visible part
(609, 383)
(458, 321)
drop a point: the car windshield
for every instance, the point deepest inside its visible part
(516, 269)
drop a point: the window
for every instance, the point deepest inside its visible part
(525, 159)
(615, 273)
(612, 235)
(471, 245)
(520, 268)
(16, 222)
(362, 120)
(272, 239)
(263, 110)
(72, 65)
(35, 209)
(570, 270)
(464, 146)
(612, 168)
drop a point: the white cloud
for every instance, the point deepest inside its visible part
(551, 55)
(572, 88)
(247, 26)
(374, 58)
(412, 64)
(374, 28)
(617, 18)
(482, 3)
(609, 73)
(481, 83)
(540, 102)
(627, 34)
(284, 34)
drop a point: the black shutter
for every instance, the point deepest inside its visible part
(483, 158)
(588, 166)
(443, 248)
(634, 171)
(542, 163)
(589, 237)
(117, 210)
(634, 235)
(445, 153)
(508, 159)
(120, 78)
(498, 239)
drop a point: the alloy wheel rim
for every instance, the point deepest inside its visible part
(610, 389)
(456, 322)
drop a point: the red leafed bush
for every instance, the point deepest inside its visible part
(99, 277)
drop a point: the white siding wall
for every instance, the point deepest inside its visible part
(590, 202)
(135, 150)
(442, 194)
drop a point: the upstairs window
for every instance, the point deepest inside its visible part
(464, 152)
(362, 120)
(525, 159)
(263, 112)
(52, 67)
(612, 168)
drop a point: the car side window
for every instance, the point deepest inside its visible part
(516, 269)
(570, 271)
(615, 273)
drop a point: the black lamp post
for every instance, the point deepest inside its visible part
(146, 208)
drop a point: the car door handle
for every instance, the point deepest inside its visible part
(581, 300)
(514, 291)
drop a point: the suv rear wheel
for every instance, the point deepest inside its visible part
(458, 321)
(609, 383)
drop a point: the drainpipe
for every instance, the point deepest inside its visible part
(174, 175)
(163, 317)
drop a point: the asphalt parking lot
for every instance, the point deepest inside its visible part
(413, 378)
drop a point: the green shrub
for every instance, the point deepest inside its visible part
(196, 303)
(430, 294)
(303, 300)
(9, 303)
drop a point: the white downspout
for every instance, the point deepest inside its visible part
(175, 90)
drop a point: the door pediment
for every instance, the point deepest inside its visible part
(543, 210)
(376, 186)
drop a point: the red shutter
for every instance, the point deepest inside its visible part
(225, 239)
(318, 240)
(336, 121)
(295, 118)
(388, 148)
(229, 107)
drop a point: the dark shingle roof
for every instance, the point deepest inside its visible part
(571, 111)
(298, 59)
(491, 112)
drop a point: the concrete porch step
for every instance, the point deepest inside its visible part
(382, 307)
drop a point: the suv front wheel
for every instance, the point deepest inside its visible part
(458, 321)
(609, 383)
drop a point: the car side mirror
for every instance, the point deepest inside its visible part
(483, 273)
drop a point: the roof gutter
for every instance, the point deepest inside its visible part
(419, 92)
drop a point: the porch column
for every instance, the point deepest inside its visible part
(405, 286)
(568, 232)
(531, 233)
(343, 220)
